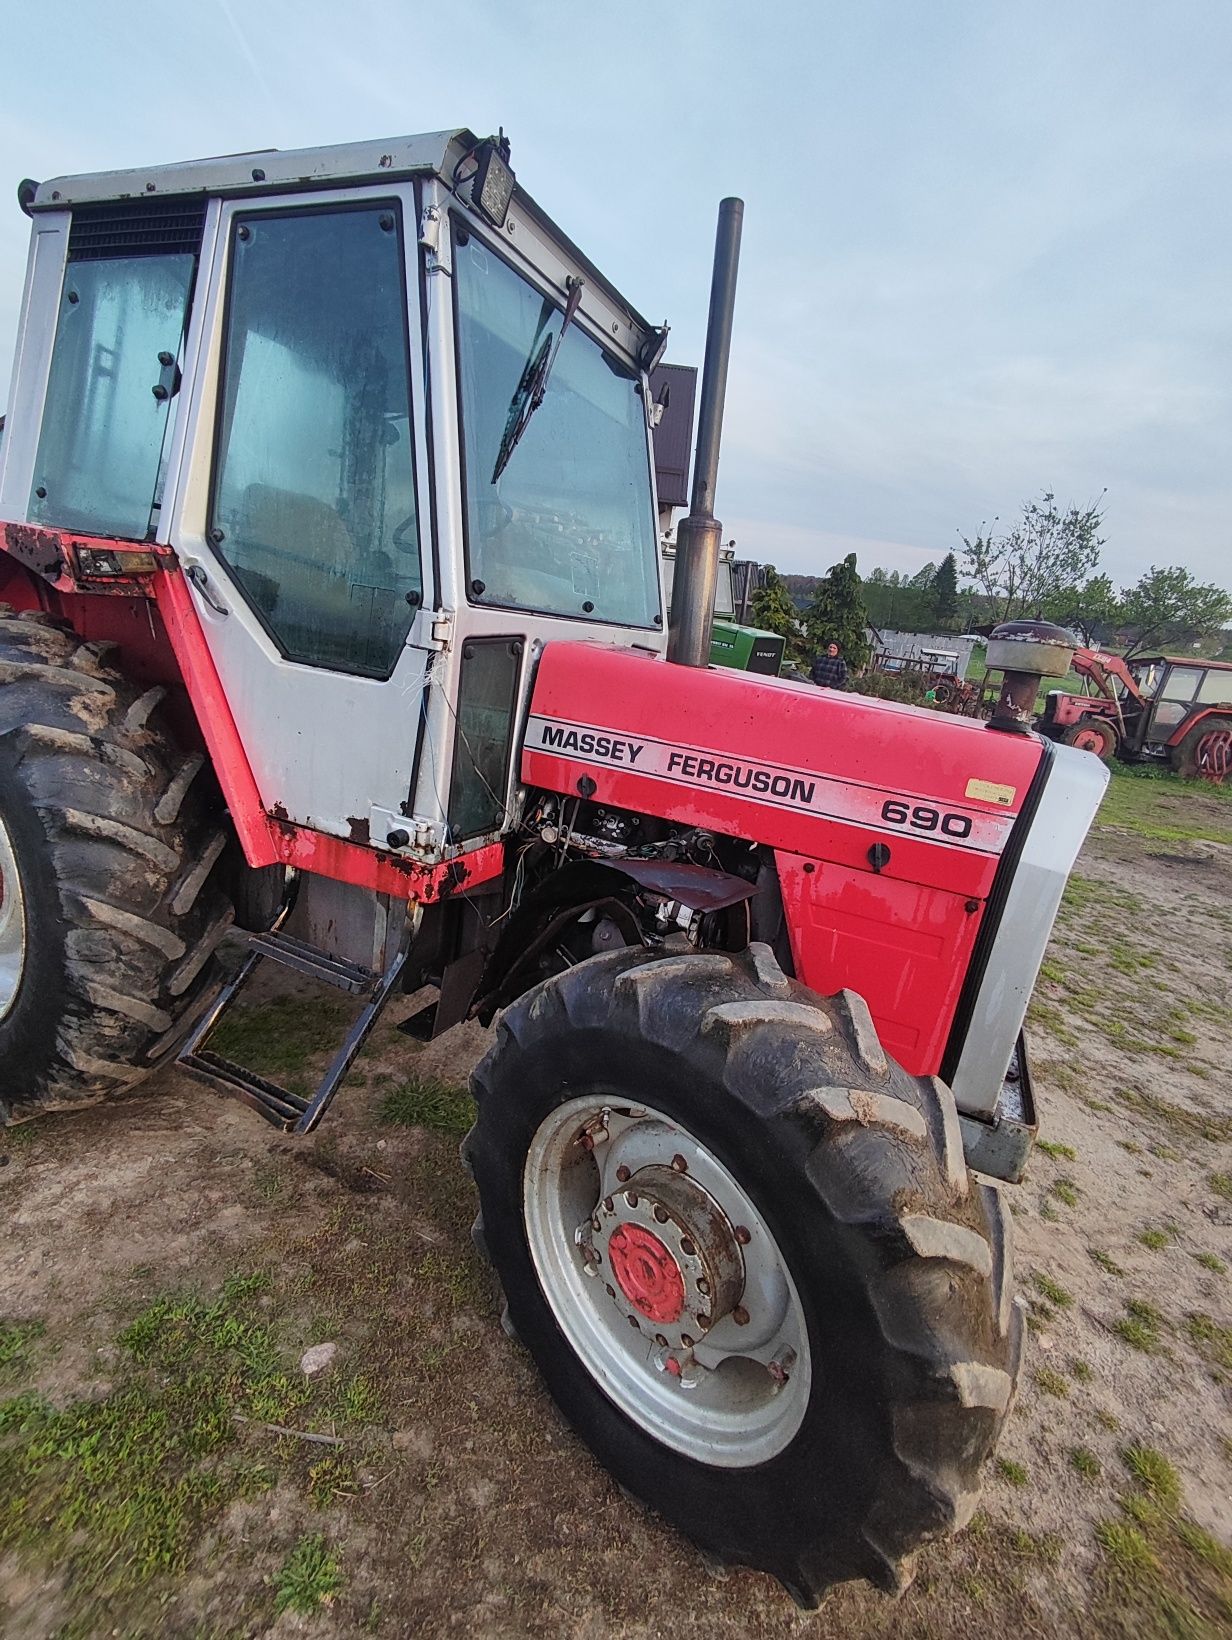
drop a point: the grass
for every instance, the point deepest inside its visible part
(1211, 1261)
(1157, 1238)
(1141, 1326)
(1109, 1420)
(1081, 1370)
(1216, 1130)
(1012, 1472)
(1221, 1184)
(1052, 1291)
(1162, 808)
(1086, 1463)
(121, 1489)
(426, 1101)
(1155, 1475)
(280, 1039)
(1051, 1382)
(16, 1338)
(1105, 1261)
(1212, 1341)
(309, 1577)
(1065, 1190)
(1058, 1152)
(1126, 1547)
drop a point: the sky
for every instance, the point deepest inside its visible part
(987, 247)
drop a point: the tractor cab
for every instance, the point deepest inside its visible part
(391, 423)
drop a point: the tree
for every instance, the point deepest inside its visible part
(772, 609)
(1087, 609)
(1047, 552)
(837, 614)
(944, 591)
(1169, 607)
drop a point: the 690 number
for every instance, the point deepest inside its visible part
(923, 817)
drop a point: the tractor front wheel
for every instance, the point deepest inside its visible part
(1093, 735)
(743, 1248)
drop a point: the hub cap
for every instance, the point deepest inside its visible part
(12, 924)
(666, 1282)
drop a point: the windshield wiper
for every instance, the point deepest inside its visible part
(533, 384)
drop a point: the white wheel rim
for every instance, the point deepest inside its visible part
(738, 1394)
(12, 925)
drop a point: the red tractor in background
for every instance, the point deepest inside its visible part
(1170, 709)
(333, 613)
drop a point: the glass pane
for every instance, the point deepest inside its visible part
(98, 465)
(314, 482)
(485, 709)
(1180, 683)
(568, 526)
(1216, 688)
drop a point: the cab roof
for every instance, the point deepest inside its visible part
(1182, 660)
(268, 171)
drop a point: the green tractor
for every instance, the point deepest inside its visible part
(732, 641)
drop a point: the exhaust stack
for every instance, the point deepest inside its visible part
(699, 536)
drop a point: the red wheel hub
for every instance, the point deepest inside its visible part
(1089, 740)
(646, 1273)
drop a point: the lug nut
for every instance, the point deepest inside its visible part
(742, 1235)
(679, 1163)
(622, 1173)
(607, 1204)
(660, 1213)
(596, 1223)
(609, 1289)
(586, 1141)
(661, 1340)
(740, 1316)
(634, 1322)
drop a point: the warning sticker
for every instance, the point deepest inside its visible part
(990, 792)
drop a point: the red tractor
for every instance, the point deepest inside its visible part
(333, 613)
(1164, 708)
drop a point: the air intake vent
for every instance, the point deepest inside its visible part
(164, 227)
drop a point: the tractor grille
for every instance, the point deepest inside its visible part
(165, 227)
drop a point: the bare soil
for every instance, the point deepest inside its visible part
(457, 1501)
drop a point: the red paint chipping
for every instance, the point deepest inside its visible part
(646, 1273)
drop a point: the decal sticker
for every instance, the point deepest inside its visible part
(799, 790)
(991, 792)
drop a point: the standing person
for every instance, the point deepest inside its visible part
(829, 671)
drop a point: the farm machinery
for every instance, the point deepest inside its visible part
(1170, 709)
(333, 615)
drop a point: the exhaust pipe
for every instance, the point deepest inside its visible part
(699, 536)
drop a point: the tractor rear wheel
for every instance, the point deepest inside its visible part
(744, 1250)
(110, 904)
(1206, 751)
(1093, 735)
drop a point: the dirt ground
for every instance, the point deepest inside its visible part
(168, 1259)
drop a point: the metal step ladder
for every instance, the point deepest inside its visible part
(286, 1110)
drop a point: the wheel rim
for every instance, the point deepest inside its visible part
(666, 1282)
(1089, 740)
(12, 924)
(1214, 755)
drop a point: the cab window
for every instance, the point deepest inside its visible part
(1215, 688)
(563, 521)
(313, 502)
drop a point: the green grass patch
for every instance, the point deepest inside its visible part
(1154, 1474)
(1157, 1237)
(426, 1101)
(1105, 1261)
(1052, 1290)
(1012, 1472)
(1109, 1420)
(1056, 1151)
(1212, 1341)
(1221, 1184)
(1163, 808)
(1051, 1382)
(1065, 1190)
(1086, 1463)
(310, 1577)
(280, 1039)
(1217, 1130)
(1141, 1326)
(1211, 1261)
(120, 1490)
(1081, 1370)
(16, 1337)
(1126, 1547)
(1207, 1548)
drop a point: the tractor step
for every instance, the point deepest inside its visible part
(289, 1111)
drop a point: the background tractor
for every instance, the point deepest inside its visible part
(333, 611)
(1170, 709)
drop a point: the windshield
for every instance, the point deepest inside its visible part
(565, 524)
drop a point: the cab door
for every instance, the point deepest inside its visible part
(298, 520)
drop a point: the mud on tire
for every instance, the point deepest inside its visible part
(116, 836)
(902, 1264)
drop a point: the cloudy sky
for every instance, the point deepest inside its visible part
(988, 247)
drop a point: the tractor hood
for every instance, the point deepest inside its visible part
(782, 763)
